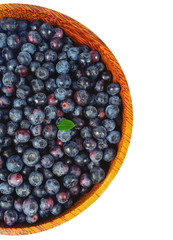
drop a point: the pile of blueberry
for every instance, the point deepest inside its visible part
(45, 78)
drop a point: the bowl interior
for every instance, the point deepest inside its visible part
(81, 35)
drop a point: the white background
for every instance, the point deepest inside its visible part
(139, 202)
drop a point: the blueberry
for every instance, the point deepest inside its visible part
(114, 137)
(23, 91)
(9, 79)
(62, 56)
(77, 111)
(64, 136)
(81, 97)
(23, 36)
(42, 73)
(11, 128)
(13, 41)
(37, 85)
(3, 40)
(39, 192)
(96, 155)
(113, 89)
(50, 67)
(31, 157)
(112, 111)
(30, 206)
(18, 204)
(34, 37)
(49, 132)
(21, 70)
(74, 191)
(86, 132)
(109, 124)
(6, 202)
(99, 132)
(15, 179)
(56, 43)
(47, 173)
(92, 72)
(22, 25)
(70, 180)
(60, 169)
(52, 186)
(101, 99)
(62, 196)
(56, 210)
(39, 57)
(94, 122)
(76, 170)
(85, 180)
(89, 144)
(43, 46)
(85, 59)
(60, 94)
(10, 217)
(22, 135)
(81, 159)
(39, 142)
(106, 76)
(14, 163)
(46, 31)
(46, 204)
(32, 219)
(36, 130)
(73, 53)
(35, 25)
(109, 154)
(67, 105)
(115, 100)
(24, 58)
(90, 112)
(50, 85)
(84, 83)
(56, 152)
(47, 161)
(62, 67)
(36, 117)
(71, 149)
(33, 66)
(23, 190)
(21, 218)
(28, 47)
(102, 144)
(50, 112)
(58, 33)
(63, 81)
(5, 188)
(50, 55)
(97, 174)
(15, 115)
(8, 24)
(95, 56)
(35, 178)
(7, 53)
(100, 66)
(3, 174)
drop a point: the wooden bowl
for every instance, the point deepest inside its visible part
(81, 35)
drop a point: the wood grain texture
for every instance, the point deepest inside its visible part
(81, 35)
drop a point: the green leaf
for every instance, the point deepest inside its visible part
(65, 125)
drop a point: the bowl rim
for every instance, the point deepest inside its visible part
(17, 11)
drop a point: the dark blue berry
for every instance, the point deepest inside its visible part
(114, 137)
(35, 178)
(39, 142)
(64, 136)
(97, 174)
(14, 163)
(34, 37)
(39, 57)
(63, 81)
(37, 85)
(3, 40)
(115, 100)
(90, 112)
(62, 67)
(23, 91)
(36, 117)
(89, 144)
(10, 217)
(86, 132)
(9, 79)
(85, 180)
(5, 188)
(46, 31)
(24, 58)
(60, 169)
(73, 53)
(52, 186)
(70, 180)
(22, 136)
(23, 190)
(33, 66)
(30, 206)
(35, 25)
(50, 56)
(56, 210)
(47, 161)
(85, 59)
(71, 149)
(50, 85)
(81, 159)
(112, 111)
(109, 124)
(81, 97)
(43, 46)
(102, 144)
(50, 112)
(6, 202)
(67, 106)
(31, 156)
(49, 132)
(13, 41)
(15, 115)
(62, 196)
(109, 154)
(22, 25)
(50, 67)
(42, 73)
